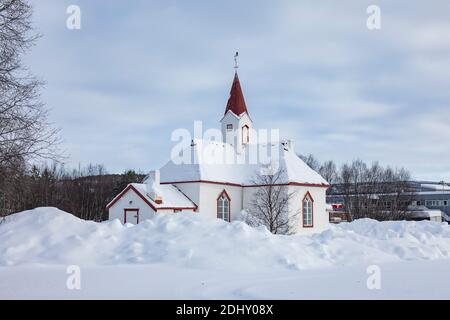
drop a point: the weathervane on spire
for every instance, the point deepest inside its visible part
(236, 66)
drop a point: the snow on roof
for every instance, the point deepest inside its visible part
(437, 187)
(218, 162)
(428, 193)
(171, 196)
(298, 171)
(446, 217)
(425, 213)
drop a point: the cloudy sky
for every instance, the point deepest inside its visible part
(137, 70)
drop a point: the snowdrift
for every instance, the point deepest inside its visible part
(51, 236)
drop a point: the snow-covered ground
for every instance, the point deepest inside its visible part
(186, 256)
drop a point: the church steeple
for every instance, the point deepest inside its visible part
(237, 126)
(236, 102)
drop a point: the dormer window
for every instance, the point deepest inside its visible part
(229, 127)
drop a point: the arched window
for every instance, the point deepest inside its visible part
(308, 211)
(245, 134)
(223, 206)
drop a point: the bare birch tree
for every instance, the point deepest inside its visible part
(270, 203)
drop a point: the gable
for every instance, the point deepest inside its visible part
(130, 194)
(231, 117)
(173, 198)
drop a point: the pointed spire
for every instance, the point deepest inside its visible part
(236, 102)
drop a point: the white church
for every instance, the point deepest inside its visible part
(217, 178)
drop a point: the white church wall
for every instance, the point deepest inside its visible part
(168, 211)
(248, 195)
(209, 193)
(320, 215)
(130, 200)
(191, 190)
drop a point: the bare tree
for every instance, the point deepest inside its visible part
(25, 132)
(270, 203)
(328, 171)
(375, 192)
(311, 161)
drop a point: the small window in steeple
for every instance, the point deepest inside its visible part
(245, 135)
(229, 127)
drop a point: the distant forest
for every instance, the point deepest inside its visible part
(83, 192)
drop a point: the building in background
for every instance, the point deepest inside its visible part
(427, 200)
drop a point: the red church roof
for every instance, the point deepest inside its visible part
(236, 102)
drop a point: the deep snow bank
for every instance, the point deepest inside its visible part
(51, 236)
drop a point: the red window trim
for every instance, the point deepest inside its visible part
(223, 193)
(308, 195)
(130, 210)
